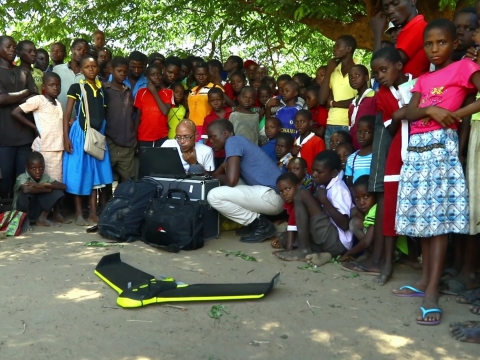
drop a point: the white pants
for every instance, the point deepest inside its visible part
(244, 203)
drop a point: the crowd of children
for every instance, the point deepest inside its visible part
(371, 157)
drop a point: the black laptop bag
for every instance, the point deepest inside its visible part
(123, 216)
(175, 223)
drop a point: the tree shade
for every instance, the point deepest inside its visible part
(286, 35)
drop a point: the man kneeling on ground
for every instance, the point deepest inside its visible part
(36, 193)
(248, 178)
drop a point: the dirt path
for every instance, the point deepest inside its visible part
(52, 306)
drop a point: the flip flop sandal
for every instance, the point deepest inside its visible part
(415, 293)
(425, 312)
(453, 287)
(475, 306)
(354, 266)
(469, 297)
(448, 274)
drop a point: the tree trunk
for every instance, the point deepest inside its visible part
(360, 26)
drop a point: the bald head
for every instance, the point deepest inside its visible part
(185, 134)
(188, 125)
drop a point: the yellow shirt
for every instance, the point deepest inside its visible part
(341, 90)
(198, 105)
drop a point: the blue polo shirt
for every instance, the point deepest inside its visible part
(141, 83)
(256, 168)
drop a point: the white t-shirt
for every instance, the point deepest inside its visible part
(204, 155)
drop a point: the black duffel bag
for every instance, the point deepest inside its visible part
(174, 222)
(122, 218)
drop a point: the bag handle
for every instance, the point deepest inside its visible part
(85, 102)
(169, 193)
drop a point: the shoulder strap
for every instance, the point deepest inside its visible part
(353, 163)
(85, 101)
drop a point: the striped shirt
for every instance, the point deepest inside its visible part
(358, 165)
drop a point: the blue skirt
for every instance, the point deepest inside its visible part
(81, 171)
(432, 194)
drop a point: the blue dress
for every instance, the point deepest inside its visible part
(82, 172)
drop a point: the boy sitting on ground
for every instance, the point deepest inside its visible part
(362, 222)
(298, 166)
(322, 221)
(36, 193)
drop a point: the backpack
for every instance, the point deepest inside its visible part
(122, 218)
(175, 224)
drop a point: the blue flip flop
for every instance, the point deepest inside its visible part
(425, 312)
(416, 292)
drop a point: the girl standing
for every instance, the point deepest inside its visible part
(433, 196)
(82, 173)
(364, 103)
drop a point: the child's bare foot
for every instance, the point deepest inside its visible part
(80, 221)
(384, 276)
(58, 218)
(475, 308)
(93, 218)
(45, 222)
(26, 225)
(293, 255)
(318, 259)
(468, 331)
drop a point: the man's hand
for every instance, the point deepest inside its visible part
(151, 87)
(272, 103)
(377, 24)
(321, 194)
(190, 156)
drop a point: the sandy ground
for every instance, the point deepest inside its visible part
(52, 306)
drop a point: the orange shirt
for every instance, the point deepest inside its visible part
(198, 105)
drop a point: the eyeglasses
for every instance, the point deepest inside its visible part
(184, 138)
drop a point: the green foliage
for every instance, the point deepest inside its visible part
(269, 32)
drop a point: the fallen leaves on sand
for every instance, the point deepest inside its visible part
(335, 260)
(310, 267)
(217, 311)
(239, 254)
(101, 244)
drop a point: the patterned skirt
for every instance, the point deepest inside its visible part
(432, 195)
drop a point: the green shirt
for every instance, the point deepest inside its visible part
(24, 178)
(370, 217)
